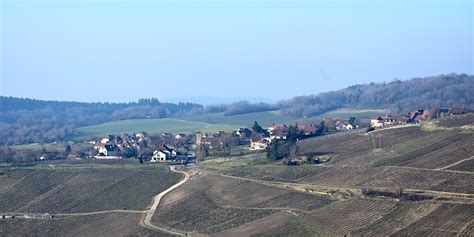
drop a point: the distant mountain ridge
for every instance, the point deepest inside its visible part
(428, 92)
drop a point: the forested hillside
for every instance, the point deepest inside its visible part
(399, 96)
(28, 120)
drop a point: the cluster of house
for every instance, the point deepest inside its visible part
(415, 116)
(116, 147)
(218, 139)
(340, 125)
(112, 147)
(261, 141)
(167, 153)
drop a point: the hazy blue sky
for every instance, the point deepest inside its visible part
(106, 50)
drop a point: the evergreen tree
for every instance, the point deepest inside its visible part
(68, 149)
(257, 128)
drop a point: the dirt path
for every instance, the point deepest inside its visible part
(156, 200)
(455, 163)
(394, 127)
(462, 197)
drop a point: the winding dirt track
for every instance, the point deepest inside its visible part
(156, 201)
(148, 213)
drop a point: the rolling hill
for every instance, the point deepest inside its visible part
(205, 123)
(398, 96)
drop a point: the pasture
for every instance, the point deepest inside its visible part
(152, 126)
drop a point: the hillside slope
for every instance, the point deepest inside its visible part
(428, 92)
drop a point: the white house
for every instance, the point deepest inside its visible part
(348, 126)
(160, 155)
(378, 122)
(108, 151)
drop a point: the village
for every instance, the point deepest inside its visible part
(187, 148)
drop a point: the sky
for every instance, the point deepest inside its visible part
(123, 50)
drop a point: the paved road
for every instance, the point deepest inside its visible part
(156, 200)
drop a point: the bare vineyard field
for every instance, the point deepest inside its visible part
(405, 146)
(280, 224)
(389, 177)
(84, 190)
(344, 147)
(345, 217)
(358, 177)
(404, 214)
(211, 204)
(446, 220)
(11, 177)
(434, 153)
(111, 224)
(467, 165)
(458, 121)
(372, 217)
(277, 173)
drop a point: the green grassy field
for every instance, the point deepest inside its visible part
(204, 123)
(208, 123)
(263, 118)
(150, 126)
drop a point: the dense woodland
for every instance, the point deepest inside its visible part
(399, 96)
(29, 120)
